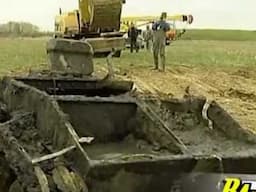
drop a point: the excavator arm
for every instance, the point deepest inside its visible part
(85, 9)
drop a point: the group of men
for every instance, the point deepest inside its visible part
(155, 35)
(136, 37)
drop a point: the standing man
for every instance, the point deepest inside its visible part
(148, 37)
(140, 40)
(133, 34)
(160, 28)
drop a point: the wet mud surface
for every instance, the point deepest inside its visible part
(201, 140)
(22, 142)
(4, 114)
(183, 120)
(129, 146)
(24, 130)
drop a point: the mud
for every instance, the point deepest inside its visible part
(25, 136)
(4, 114)
(226, 138)
(138, 143)
(200, 139)
(114, 119)
(234, 89)
(7, 175)
(15, 154)
(20, 143)
(20, 96)
(241, 94)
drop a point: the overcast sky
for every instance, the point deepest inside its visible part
(229, 14)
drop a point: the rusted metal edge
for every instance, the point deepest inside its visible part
(154, 117)
(78, 98)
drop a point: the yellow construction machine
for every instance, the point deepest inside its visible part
(96, 21)
(140, 21)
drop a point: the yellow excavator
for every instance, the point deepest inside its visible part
(140, 21)
(96, 21)
(99, 23)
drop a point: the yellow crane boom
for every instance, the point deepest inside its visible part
(182, 18)
(144, 20)
(135, 19)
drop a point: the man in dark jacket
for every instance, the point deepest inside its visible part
(133, 34)
(159, 30)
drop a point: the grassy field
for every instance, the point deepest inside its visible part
(223, 35)
(18, 55)
(220, 70)
(202, 54)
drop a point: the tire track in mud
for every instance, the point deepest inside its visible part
(243, 95)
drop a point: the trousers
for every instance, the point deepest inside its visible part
(159, 48)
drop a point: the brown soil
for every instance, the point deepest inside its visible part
(233, 89)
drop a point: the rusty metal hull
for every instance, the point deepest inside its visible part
(139, 144)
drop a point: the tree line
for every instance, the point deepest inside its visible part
(21, 29)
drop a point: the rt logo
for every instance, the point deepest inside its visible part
(238, 185)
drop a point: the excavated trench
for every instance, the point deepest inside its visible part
(139, 144)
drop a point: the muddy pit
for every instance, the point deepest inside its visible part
(139, 144)
(200, 139)
(119, 128)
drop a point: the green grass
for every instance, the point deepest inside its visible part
(223, 35)
(21, 55)
(221, 54)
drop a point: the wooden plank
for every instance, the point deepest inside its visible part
(75, 139)
(42, 179)
(68, 181)
(61, 152)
